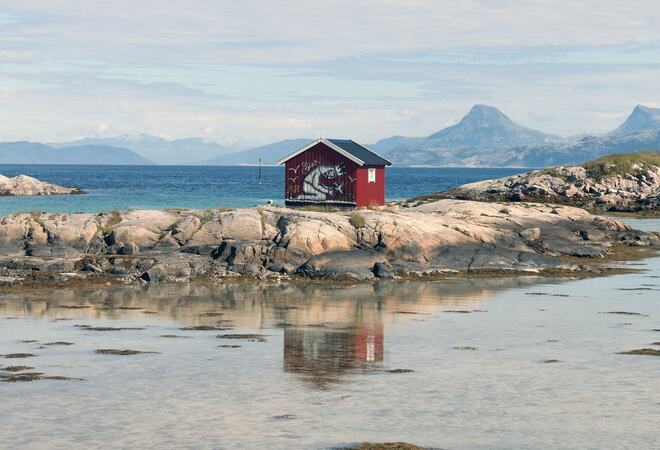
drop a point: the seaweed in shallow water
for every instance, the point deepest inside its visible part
(110, 351)
(248, 337)
(627, 313)
(642, 352)
(399, 371)
(205, 328)
(16, 368)
(19, 355)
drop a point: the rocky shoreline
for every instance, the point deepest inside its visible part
(25, 185)
(627, 183)
(441, 238)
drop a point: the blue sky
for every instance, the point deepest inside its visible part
(255, 71)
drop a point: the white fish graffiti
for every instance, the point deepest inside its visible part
(313, 188)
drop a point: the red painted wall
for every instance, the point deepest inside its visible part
(351, 187)
(370, 194)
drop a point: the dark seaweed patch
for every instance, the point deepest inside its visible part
(642, 352)
(205, 328)
(626, 313)
(31, 376)
(248, 337)
(19, 355)
(110, 351)
(90, 328)
(399, 370)
(547, 293)
(381, 446)
(16, 368)
(120, 308)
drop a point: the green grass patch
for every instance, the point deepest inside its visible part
(620, 164)
(357, 220)
(114, 219)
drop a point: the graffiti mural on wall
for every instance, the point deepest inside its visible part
(316, 182)
(322, 182)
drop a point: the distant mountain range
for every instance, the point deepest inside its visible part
(488, 138)
(485, 137)
(267, 153)
(35, 153)
(162, 151)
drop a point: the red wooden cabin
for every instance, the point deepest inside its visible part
(334, 171)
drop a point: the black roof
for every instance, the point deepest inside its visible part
(360, 152)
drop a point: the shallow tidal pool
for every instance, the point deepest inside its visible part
(501, 363)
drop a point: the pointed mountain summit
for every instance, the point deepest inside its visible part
(487, 127)
(642, 118)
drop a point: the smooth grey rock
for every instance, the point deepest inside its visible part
(356, 264)
(531, 234)
(383, 270)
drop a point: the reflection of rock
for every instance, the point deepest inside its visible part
(323, 354)
(345, 324)
(178, 245)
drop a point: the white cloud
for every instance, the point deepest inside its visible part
(262, 70)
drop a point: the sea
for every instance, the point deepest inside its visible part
(203, 187)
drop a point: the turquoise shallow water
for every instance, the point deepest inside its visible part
(157, 187)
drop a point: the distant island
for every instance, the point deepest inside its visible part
(622, 183)
(485, 137)
(25, 185)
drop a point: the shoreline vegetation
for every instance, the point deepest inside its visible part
(520, 225)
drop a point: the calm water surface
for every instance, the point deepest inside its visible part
(157, 187)
(319, 379)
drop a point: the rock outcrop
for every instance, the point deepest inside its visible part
(618, 183)
(24, 185)
(443, 237)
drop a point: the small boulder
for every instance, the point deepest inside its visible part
(383, 270)
(156, 274)
(130, 248)
(531, 234)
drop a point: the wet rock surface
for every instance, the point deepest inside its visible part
(441, 238)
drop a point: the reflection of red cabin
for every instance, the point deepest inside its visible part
(369, 343)
(334, 171)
